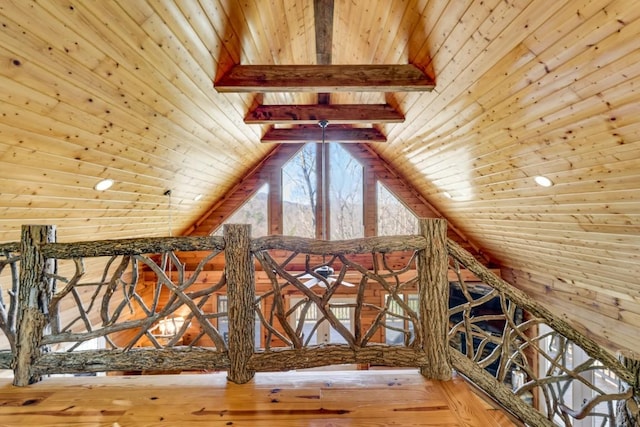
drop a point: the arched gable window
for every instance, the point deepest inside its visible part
(305, 204)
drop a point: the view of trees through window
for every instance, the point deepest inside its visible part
(254, 212)
(393, 217)
(300, 193)
(299, 190)
(300, 197)
(345, 195)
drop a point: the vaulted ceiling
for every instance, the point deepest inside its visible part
(125, 90)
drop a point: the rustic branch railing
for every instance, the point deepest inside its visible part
(487, 346)
(105, 307)
(9, 272)
(426, 348)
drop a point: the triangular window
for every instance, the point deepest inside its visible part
(253, 212)
(394, 218)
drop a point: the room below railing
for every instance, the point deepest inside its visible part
(154, 314)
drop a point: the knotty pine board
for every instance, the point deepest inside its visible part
(304, 398)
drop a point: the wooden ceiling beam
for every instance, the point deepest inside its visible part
(325, 78)
(313, 134)
(334, 114)
(323, 19)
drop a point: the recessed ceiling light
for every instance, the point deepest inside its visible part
(105, 184)
(198, 197)
(543, 181)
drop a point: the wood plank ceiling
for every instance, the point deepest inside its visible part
(123, 90)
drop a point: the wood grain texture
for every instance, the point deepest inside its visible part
(432, 264)
(324, 78)
(131, 246)
(497, 390)
(314, 134)
(333, 113)
(338, 398)
(323, 14)
(146, 359)
(240, 276)
(343, 247)
(614, 313)
(34, 294)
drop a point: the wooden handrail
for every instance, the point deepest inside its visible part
(521, 299)
(383, 244)
(131, 246)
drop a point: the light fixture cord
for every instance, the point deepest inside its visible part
(168, 193)
(325, 181)
(170, 225)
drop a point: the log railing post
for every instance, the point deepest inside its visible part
(241, 293)
(35, 292)
(433, 294)
(628, 411)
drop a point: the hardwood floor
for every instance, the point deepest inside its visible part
(336, 398)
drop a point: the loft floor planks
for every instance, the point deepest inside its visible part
(309, 398)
